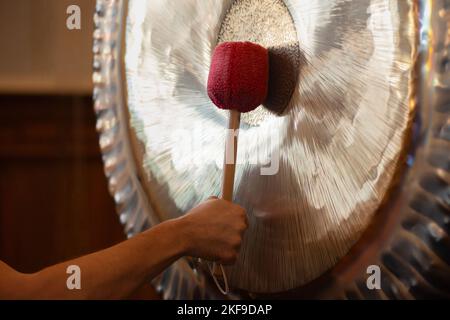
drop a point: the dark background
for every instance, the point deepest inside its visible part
(54, 201)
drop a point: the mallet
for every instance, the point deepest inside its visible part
(238, 82)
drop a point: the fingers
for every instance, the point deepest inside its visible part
(230, 255)
(243, 215)
(229, 222)
(242, 218)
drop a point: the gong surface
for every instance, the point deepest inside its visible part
(333, 151)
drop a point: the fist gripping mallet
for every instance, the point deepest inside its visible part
(238, 82)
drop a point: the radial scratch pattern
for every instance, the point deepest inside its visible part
(338, 144)
(409, 238)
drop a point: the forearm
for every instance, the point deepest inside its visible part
(213, 231)
(112, 273)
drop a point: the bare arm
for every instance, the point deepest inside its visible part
(213, 231)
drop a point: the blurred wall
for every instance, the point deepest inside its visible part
(38, 53)
(54, 202)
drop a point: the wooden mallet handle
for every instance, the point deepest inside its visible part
(229, 167)
(231, 146)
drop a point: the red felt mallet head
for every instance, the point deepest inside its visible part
(239, 76)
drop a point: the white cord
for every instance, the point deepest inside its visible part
(225, 290)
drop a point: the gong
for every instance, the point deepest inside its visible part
(345, 168)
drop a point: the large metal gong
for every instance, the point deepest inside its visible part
(326, 169)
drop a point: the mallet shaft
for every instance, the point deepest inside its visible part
(231, 145)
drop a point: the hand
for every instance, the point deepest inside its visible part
(213, 230)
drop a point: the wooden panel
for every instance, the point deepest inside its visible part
(47, 127)
(54, 202)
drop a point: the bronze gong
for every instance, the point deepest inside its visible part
(344, 168)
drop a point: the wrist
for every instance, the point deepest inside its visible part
(180, 232)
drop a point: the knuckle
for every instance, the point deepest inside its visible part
(238, 209)
(241, 227)
(236, 242)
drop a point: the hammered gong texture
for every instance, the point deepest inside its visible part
(337, 144)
